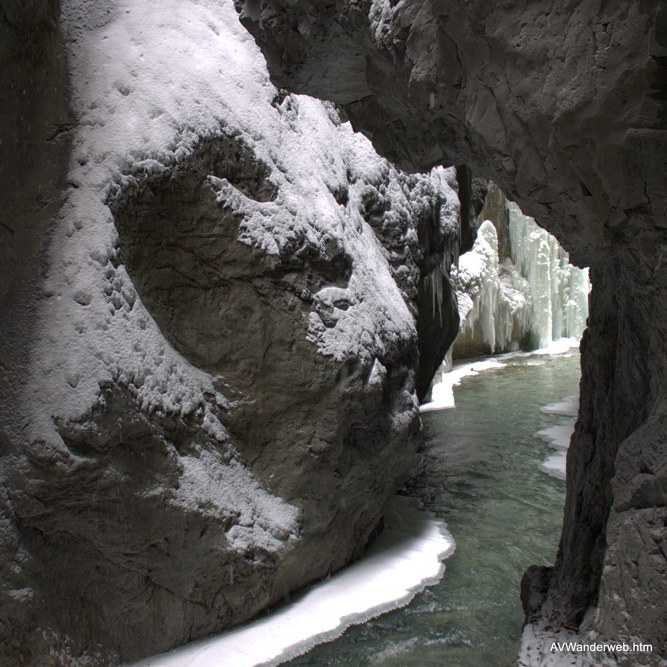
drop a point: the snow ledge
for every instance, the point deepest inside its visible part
(406, 558)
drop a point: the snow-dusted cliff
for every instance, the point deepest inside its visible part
(211, 391)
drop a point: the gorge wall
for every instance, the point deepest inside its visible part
(563, 104)
(215, 297)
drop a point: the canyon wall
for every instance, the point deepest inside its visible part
(212, 295)
(563, 104)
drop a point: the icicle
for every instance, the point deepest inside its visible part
(490, 301)
(559, 290)
(537, 295)
(434, 282)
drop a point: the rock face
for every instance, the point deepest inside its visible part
(210, 310)
(562, 105)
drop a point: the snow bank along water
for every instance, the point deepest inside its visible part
(405, 558)
(442, 391)
(481, 473)
(559, 435)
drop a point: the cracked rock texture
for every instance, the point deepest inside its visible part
(563, 104)
(211, 296)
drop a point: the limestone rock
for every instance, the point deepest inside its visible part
(209, 324)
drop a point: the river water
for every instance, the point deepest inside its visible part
(481, 474)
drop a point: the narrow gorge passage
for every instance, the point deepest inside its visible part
(562, 105)
(238, 239)
(481, 474)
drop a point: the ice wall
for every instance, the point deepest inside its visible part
(494, 300)
(527, 300)
(558, 289)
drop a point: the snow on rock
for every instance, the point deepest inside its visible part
(405, 558)
(220, 394)
(538, 647)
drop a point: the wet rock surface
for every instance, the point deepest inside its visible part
(562, 105)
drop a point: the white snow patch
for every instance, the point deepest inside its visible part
(442, 392)
(555, 465)
(569, 406)
(536, 644)
(217, 488)
(559, 436)
(402, 561)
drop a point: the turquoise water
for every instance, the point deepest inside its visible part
(481, 474)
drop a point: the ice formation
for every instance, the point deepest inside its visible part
(559, 436)
(529, 300)
(559, 290)
(493, 298)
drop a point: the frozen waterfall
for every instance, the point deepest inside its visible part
(527, 300)
(559, 290)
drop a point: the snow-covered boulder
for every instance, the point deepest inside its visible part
(209, 389)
